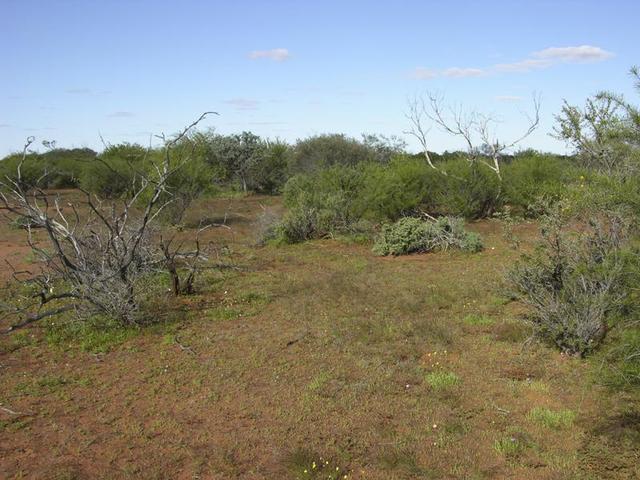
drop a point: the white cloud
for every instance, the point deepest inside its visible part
(422, 73)
(457, 72)
(522, 66)
(276, 54)
(583, 53)
(535, 61)
(243, 103)
(5, 125)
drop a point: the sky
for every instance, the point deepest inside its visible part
(87, 72)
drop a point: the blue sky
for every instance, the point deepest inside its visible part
(76, 70)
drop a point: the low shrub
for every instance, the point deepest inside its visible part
(413, 235)
(575, 281)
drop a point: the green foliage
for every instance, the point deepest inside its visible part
(324, 151)
(621, 359)
(575, 281)
(554, 419)
(57, 168)
(533, 177)
(411, 235)
(511, 446)
(442, 380)
(114, 172)
(96, 335)
(398, 189)
(321, 203)
(271, 173)
(469, 190)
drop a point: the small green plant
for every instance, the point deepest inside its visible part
(442, 380)
(478, 319)
(510, 446)
(413, 235)
(552, 419)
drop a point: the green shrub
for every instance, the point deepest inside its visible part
(411, 235)
(57, 168)
(530, 178)
(622, 359)
(399, 189)
(575, 281)
(114, 172)
(468, 190)
(324, 151)
(321, 203)
(270, 174)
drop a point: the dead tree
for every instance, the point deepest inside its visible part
(98, 257)
(476, 129)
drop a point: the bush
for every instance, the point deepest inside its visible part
(321, 203)
(469, 190)
(533, 177)
(57, 168)
(401, 188)
(113, 173)
(412, 235)
(323, 151)
(575, 283)
(270, 174)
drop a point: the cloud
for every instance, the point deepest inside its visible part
(422, 73)
(243, 103)
(5, 125)
(121, 114)
(583, 53)
(522, 66)
(456, 72)
(508, 98)
(276, 54)
(535, 61)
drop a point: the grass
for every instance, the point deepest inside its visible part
(510, 446)
(477, 319)
(442, 380)
(555, 419)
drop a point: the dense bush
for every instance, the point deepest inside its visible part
(413, 235)
(323, 151)
(114, 172)
(322, 203)
(575, 281)
(57, 168)
(401, 188)
(530, 178)
(469, 190)
(272, 171)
